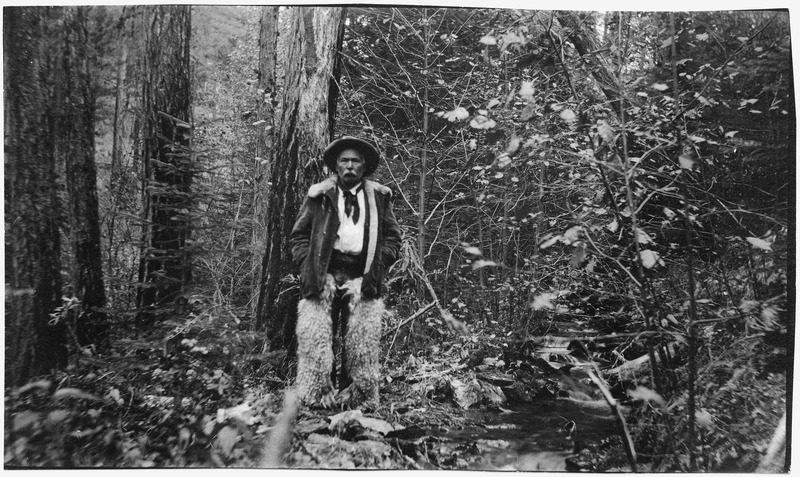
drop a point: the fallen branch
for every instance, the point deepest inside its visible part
(612, 403)
(454, 324)
(436, 374)
(411, 318)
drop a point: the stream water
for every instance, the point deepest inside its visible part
(537, 436)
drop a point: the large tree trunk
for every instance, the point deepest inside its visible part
(306, 127)
(265, 140)
(167, 155)
(120, 99)
(75, 137)
(578, 32)
(32, 244)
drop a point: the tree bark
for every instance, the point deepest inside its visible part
(306, 127)
(167, 131)
(32, 244)
(120, 101)
(265, 140)
(75, 136)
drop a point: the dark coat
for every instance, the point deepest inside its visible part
(316, 228)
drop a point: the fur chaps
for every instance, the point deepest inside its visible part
(361, 342)
(363, 346)
(314, 350)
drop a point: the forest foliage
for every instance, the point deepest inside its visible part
(621, 180)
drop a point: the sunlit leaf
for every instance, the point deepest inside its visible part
(730, 134)
(547, 243)
(57, 417)
(571, 235)
(659, 86)
(42, 384)
(25, 419)
(613, 226)
(769, 315)
(642, 237)
(472, 144)
(671, 318)
(748, 306)
(511, 38)
(492, 103)
(605, 131)
(482, 122)
(568, 116)
(701, 36)
(642, 393)
(73, 393)
(471, 249)
(113, 394)
(526, 90)
(243, 412)
(503, 161)
(759, 243)
(513, 145)
(704, 419)
(542, 301)
(488, 40)
(649, 258)
(458, 114)
(483, 263)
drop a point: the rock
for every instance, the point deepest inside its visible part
(412, 432)
(498, 379)
(541, 461)
(516, 393)
(344, 420)
(305, 427)
(332, 452)
(477, 392)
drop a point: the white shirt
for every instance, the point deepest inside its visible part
(350, 238)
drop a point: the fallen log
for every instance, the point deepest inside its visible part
(411, 318)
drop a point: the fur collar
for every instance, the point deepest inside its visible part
(329, 184)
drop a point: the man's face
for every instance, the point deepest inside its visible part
(350, 168)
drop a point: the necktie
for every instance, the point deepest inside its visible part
(351, 204)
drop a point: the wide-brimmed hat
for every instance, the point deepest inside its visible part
(371, 155)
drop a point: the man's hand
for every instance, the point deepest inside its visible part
(328, 400)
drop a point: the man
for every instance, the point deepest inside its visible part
(345, 238)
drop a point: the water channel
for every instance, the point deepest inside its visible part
(536, 436)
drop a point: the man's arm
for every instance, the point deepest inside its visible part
(301, 233)
(391, 235)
